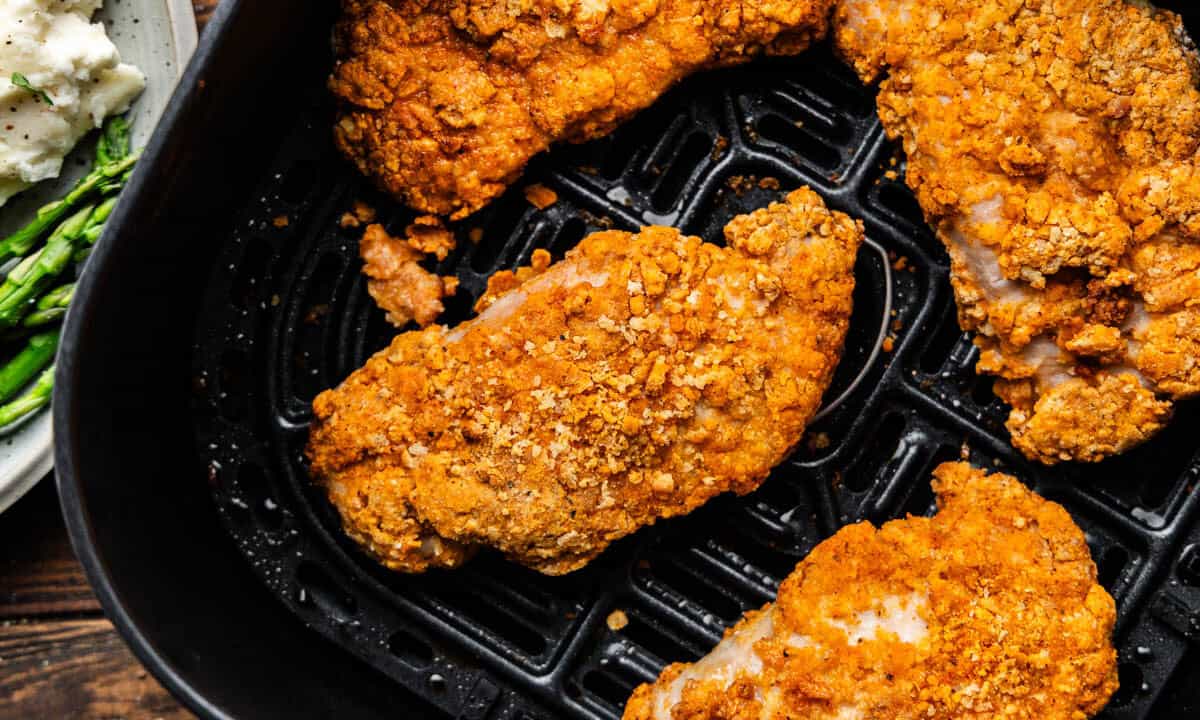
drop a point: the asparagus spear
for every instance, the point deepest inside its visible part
(24, 240)
(114, 143)
(77, 225)
(94, 229)
(36, 273)
(33, 358)
(37, 398)
(114, 161)
(96, 223)
(52, 307)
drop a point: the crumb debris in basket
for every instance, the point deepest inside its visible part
(396, 281)
(617, 620)
(740, 184)
(540, 196)
(429, 235)
(360, 215)
(818, 441)
(719, 147)
(315, 313)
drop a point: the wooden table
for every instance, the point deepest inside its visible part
(59, 656)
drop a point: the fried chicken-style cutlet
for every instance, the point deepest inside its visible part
(445, 101)
(989, 609)
(634, 380)
(1053, 146)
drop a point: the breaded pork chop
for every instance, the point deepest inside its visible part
(634, 380)
(990, 609)
(445, 101)
(1053, 146)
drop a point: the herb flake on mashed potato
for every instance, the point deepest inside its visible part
(51, 49)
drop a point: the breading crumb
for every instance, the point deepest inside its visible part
(397, 282)
(428, 235)
(617, 620)
(359, 215)
(540, 196)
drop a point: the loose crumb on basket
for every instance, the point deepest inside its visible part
(428, 235)
(719, 147)
(617, 620)
(399, 285)
(540, 196)
(360, 215)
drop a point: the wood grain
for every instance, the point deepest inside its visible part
(39, 575)
(76, 669)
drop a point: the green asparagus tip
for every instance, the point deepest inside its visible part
(32, 401)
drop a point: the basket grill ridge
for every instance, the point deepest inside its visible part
(286, 315)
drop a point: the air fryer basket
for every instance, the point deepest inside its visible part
(284, 314)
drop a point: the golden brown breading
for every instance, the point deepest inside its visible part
(634, 380)
(990, 609)
(396, 281)
(1053, 146)
(444, 101)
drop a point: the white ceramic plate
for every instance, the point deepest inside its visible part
(159, 37)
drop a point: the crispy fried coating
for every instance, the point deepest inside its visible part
(1053, 146)
(445, 101)
(990, 609)
(396, 281)
(634, 380)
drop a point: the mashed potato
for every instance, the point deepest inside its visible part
(55, 46)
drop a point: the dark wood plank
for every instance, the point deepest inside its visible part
(76, 669)
(39, 575)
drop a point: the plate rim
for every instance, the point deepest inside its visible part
(26, 469)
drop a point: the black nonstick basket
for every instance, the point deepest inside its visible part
(226, 294)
